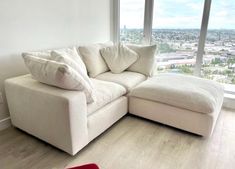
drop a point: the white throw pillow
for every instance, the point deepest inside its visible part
(57, 74)
(119, 57)
(46, 54)
(71, 58)
(146, 61)
(72, 54)
(92, 58)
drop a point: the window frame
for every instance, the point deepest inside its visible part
(115, 15)
(202, 37)
(148, 21)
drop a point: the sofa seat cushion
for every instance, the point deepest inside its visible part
(105, 92)
(127, 79)
(188, 92)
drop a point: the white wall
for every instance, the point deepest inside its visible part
(27, 25)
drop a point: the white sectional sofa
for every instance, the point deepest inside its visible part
(64, 119)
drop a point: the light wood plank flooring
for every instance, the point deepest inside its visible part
(132, 143)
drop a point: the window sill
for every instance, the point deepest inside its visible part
(229, 101)
(229, 96)
(229, 89)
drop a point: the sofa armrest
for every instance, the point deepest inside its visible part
(54, 115)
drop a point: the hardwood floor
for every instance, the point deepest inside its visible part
(132, 143)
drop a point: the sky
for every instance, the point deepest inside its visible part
(178, 14)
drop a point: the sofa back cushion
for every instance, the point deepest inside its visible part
(119, 57)
(92, 58)
(146, 61)
(57, 74)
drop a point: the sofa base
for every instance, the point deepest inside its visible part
(56, 116)
(194, 122)
(102, 119)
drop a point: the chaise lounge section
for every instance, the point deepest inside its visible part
(185, 102)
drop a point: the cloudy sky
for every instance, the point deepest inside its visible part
(179, 14)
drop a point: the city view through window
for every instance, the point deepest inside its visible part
(131, 21)
(176, 31)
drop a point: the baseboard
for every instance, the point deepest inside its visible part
(5, 123)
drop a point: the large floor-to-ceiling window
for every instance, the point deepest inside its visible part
(176, 29)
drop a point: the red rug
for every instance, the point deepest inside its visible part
(87, 166)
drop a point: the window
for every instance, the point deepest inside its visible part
(219, 56)
(176, 30)
(131, 21)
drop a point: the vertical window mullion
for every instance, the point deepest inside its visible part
(148, 20)
(116, 20)
(202, 38)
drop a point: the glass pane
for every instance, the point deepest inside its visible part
(131, 21)
(176, 30)
(219, 57)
